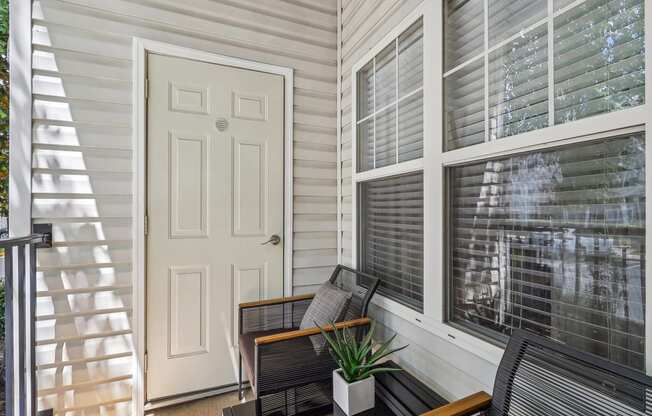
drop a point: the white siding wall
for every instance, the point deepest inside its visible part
(451, 371)
(82, 165)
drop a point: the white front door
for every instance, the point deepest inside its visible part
(214, 195)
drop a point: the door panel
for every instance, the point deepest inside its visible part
(188, 311)
(249, 107)
(188, 98)
(249, 177)
(188, 185)
(248, 286)
(214, 195)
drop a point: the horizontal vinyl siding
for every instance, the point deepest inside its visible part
(451, 371)
(82, 166)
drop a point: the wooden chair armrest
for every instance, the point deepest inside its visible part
(276, 301)
(299, 333)
(466, 406)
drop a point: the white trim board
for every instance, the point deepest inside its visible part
(20, 151)
(141, 47)
(338, 173)
(20, 118)
(391, 170)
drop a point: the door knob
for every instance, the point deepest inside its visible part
(274, 239)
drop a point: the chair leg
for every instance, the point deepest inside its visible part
(240, 392)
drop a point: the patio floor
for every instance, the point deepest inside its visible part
(210, 406)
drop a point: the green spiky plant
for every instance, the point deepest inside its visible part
(358, 359)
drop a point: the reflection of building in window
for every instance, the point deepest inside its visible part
(554, 242)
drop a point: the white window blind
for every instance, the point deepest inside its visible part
(518, 85)
(464, 101)
(599, 58)
(553, 241)
(464, 31)
(389, 132)
(391, 236)
(496, 78)
(509, 17)
(390, 103)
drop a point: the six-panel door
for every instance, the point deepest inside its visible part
(214, 195)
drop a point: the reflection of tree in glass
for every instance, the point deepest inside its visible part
(510, 194)
(554, 242)
(519, 85)
(622, 279)
(599, 58)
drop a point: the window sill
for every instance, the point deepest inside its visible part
(461, 339)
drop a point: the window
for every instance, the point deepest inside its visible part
(526, 70)
(523, 195)
(390, 103)
(554, 242)
(391, 236)
(388, 176)
(545, 230)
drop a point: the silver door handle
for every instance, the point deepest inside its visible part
(274, 239)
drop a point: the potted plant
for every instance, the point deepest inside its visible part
(353, 382)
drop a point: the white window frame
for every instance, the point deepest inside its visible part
(400, 168)
(584, 130)
(435, 162)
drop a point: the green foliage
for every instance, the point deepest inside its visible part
(4, 108)
(358, 359)
(2, 309)
(4, 140)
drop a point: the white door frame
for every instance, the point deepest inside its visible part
(139, 113)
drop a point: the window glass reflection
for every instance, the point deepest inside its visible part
(554, 242)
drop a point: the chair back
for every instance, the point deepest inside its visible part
(361, 285)
(539, 376)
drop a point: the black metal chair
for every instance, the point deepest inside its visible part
(539, 376)
(276, 354)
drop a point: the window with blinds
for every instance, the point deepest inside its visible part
(554, 242)
(497, 78)
(391, 236)
(389, 102)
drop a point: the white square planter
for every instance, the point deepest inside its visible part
(356, 397)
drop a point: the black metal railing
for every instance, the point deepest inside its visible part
(20, 320)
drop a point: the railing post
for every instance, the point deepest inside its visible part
(9, 331)
(32, 329)
(20, 322)
(22, 335)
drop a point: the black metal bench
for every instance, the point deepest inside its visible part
(539, 376)
(397, 393)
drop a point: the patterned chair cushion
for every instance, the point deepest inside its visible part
(329, 305)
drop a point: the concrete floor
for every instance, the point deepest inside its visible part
(210, 406)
